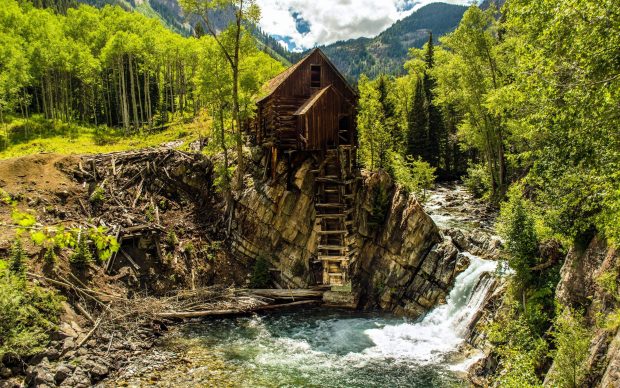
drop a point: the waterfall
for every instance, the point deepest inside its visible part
(443, 329)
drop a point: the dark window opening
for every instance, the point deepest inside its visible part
(344, 130)
(315, 76)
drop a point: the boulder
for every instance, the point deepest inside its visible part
(78, 379)
(62, 372)
(39, 375)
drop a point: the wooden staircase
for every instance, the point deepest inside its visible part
(334, 204)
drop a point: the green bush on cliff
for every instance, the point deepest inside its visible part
(17, 263)
(572, 341)
(516, 226)
(414, 175)
(520, 345)
(29, 313)
(261, 278)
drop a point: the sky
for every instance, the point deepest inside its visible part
(303, 24)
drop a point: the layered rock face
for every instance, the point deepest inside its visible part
(404, 264)
(580, 288)
(278, 224)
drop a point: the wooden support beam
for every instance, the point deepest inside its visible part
(328, 232)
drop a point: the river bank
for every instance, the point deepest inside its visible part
(408, 265)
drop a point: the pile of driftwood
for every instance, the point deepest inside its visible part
(116, 313)
(128, 188)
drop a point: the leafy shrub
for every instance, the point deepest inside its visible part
(516, 226)
(572, 341)
(97, 196)
(171, 238)
(521, 348)
(415, 175)
(82, 256)
(103, 135)
(261, 278)
(477, 180)
(29, 313)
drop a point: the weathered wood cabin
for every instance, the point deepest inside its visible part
(308, 107)
(311, 109)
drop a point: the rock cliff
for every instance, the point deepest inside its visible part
(589, 284)
(581, 287)
(405, 265)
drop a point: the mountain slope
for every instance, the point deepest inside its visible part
(169, 12)
(387, 52)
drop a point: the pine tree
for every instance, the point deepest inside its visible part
(436, 130)
(17, 263)
(417, 124)
(388, 108)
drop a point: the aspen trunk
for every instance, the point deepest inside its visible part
(133, 94)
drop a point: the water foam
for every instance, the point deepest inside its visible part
(443, 329)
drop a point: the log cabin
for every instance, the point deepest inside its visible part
(311, 109)
(308, 107)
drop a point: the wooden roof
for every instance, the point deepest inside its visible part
(311, 101)
(272, 85)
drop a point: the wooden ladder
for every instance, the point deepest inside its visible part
(334, 204)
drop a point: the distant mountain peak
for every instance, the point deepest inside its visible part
(388, 51)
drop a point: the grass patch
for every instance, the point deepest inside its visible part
(29, 313)
(37, 136)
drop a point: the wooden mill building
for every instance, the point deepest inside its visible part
(310, 108)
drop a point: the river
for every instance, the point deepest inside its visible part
(325, 347)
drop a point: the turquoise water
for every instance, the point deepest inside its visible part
(314, 348)
(325, 347)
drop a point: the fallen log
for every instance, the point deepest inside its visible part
(283, 293)
(232, 312)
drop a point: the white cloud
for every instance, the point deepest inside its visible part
(334, 20)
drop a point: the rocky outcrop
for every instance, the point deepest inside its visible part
(276, 222)
(581, 287)
(476, 242)
(405, 265)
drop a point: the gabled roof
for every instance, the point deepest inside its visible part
(311, 101)
(272, 85)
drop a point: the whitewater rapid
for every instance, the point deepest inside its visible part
(332, 348)
(443, 329)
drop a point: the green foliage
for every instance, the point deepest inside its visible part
(608, 283)
(171, 238)
(17, 260)
(374, 137)
(477, 181)
(572, 341)
(104, 69)
(29, 313)
(521, 347)
(260, 278)
(82, 255)
(414, 175)
(97, 196)
(380, 206)
(87, 244)
(517, 228)
(23, 219)
(104, 243)
(563, 109)
(470, 70)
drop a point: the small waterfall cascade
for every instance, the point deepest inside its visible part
(443, 329)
